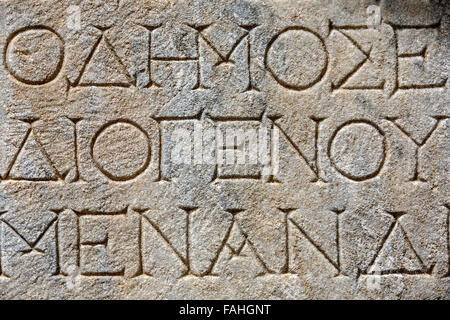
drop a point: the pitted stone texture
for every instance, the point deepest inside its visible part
(224, 149)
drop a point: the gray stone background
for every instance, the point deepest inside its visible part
(92, 205)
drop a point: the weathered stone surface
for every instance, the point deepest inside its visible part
(224, 149)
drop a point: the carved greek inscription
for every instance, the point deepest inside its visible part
(103, 67)
(35, 157)
(363, 159)
(173, 244)
(228, 148)
(296, 58)
(217, 148)
(447, 228)
(408, 75)
(240, 148)
(236, 47)
(174, 247)
(34, 55)
(299, 231)
(121, 150)
(237, 248)
(312, 164)
(91, 243)
(18, 245)
(418, 144)
(2, 275)
(387, 260)
(31, 161)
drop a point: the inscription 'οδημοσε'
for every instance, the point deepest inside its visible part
(224, 150)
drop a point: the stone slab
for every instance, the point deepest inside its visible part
(203, 149)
